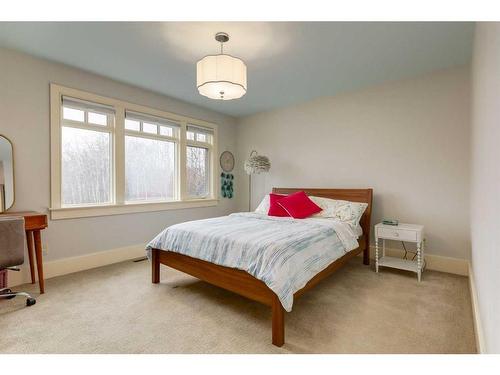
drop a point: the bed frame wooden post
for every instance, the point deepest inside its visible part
(278, 322)
(366, 252)
(365, 224)
(155, 265)
(366, 255)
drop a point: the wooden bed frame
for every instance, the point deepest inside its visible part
(243, 283)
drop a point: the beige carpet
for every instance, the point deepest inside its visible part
(116, 309)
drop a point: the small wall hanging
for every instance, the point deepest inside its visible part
(226, 185)
(227, 178)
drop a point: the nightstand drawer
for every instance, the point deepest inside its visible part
(397, 234)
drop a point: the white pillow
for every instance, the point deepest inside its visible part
(263, 207)
(346, 211)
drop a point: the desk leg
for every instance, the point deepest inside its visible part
(39, 260)
(29, 241)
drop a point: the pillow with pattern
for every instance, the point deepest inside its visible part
(346, 211)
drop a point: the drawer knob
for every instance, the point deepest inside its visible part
(396, 234)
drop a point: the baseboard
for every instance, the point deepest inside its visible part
(65, 266)
(478, 327)
(433, 262)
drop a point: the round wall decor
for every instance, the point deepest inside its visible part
(227, 161)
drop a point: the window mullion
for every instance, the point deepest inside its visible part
(151, 136)
(182, 166)
(199, 144)
(85, 126)
(214, 171)
(55, 148)
(119, 159)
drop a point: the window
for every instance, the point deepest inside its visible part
(86, 153)
(150, 158)
(199, 143)
(197, 171)
(149, 169)
(112, 157)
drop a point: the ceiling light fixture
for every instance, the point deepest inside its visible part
(222, 76)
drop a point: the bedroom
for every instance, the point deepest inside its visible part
(189, 181)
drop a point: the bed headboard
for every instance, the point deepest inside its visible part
(353, 195)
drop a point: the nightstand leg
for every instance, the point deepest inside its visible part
(419, 261)
(423, 253)
(376, 254)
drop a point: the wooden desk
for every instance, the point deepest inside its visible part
(34, 222)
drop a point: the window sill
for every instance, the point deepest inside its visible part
(120, 209)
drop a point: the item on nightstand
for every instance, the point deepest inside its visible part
(405, 233)
(389, 222)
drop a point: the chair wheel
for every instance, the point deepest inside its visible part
(30, 301)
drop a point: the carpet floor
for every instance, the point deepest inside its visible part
(116, 309)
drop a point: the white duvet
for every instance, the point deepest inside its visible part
(284, 253)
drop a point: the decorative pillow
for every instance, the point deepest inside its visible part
(274, 208)
(298, 205)
(346, 211)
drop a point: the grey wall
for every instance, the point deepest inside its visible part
(24, 109)
(485, 179)
(408, 140)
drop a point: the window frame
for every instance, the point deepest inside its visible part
(208, 167)
(174, 138)
(210, 152)
(118, 133)
(109, 129)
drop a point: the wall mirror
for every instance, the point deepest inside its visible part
(6, 174)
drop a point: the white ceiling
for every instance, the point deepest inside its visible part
(288, 62)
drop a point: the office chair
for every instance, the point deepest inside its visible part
(12, 240)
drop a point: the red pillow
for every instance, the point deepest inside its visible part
(299, 206)
(274, 208)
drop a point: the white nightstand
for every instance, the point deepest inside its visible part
(402, 232)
